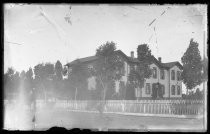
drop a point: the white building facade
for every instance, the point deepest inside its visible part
(168, 75)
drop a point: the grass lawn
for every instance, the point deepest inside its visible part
(69, 119)
(46, 118)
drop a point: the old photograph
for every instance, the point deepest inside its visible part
(105, 67)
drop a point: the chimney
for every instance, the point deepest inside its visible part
(159, 59)
(132, 54)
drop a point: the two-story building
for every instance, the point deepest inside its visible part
(168, 75)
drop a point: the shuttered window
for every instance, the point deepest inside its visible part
(173, 89)
(148, 89)
(178, 90)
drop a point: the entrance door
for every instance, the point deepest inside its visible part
(154, 90)
(157, 91)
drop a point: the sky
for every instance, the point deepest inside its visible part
(36, 34)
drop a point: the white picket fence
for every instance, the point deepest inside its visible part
(167, 107)
(154, 107)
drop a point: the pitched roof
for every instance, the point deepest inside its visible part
(92, 58)
(158, 63)
(171, 64)
(133, 59)
(82, 60)
(129, 59)
(167, 65)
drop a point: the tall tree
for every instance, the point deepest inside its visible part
(8, 77)
(58, 81)
(58, 70)
(145, 59)
(11, 82)
(107, 67)
(7, 84)
(192, 66)
(44, 75)
(49, 77)
(38, 80)
(78, 78)
(205, 69)
(10, 71)
(29, 80)
(142, 70)
(16, 82)
(22, 81)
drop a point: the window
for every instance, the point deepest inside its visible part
(172, 75)
(148, 88)
(154, 72)
(162, 74)
(163, 89)
(173, 89)
(178, 90)
(178, 75)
